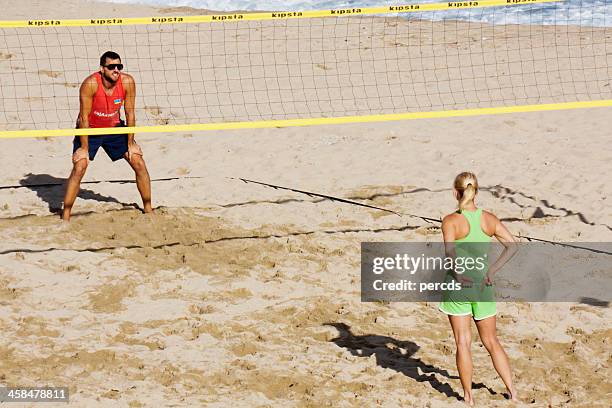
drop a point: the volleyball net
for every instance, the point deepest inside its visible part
(309, 67)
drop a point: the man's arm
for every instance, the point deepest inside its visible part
(86, 95)
(130, 103)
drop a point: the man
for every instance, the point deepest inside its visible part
(101, 96)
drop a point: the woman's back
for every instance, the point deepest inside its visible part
(475, 232)
(477, 221)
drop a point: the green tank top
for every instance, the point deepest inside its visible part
(475, 245)
(473, 250)
(476, 233)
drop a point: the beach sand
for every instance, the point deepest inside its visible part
(234, 294)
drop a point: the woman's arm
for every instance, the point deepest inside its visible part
(510, 248)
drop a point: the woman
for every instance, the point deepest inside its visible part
(464, 227)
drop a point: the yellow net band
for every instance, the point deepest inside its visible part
(306, 122)
(277, 15)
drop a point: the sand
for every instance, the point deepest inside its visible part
(235, 294)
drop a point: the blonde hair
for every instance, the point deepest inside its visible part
(466, 185)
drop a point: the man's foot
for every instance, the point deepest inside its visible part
(148, 209)
(468, 400)
(65, 215)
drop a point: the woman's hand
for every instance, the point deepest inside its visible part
(487, 281)
(464, 280)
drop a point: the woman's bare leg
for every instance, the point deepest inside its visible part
(463, 338)
(488, 334)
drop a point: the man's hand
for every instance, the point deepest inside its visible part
(133, 148)
(80, 154)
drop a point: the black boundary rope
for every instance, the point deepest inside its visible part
(599, 251)
(310, 194)
(427, 219)
(333, 198)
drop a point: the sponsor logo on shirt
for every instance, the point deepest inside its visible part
(117, 101)
(105, 115)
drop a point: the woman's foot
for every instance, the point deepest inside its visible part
(512, 395)
(469, 401)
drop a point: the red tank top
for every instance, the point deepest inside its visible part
(105, 108)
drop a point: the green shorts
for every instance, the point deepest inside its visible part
(480, 310)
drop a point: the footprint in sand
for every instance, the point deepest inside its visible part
(153, 110)
(50, 74)
(156, 111)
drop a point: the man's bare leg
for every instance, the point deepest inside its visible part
(72, 187)
(143, 181)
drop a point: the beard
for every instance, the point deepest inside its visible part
(110, 78)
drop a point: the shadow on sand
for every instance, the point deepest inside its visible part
(52, 192)
(397, 355)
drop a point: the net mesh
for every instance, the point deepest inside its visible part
(310, 67)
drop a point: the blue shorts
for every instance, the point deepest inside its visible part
(115, 146)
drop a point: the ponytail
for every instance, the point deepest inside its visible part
(466, 185)
(468, 195)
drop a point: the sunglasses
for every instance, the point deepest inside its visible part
(111, 67)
